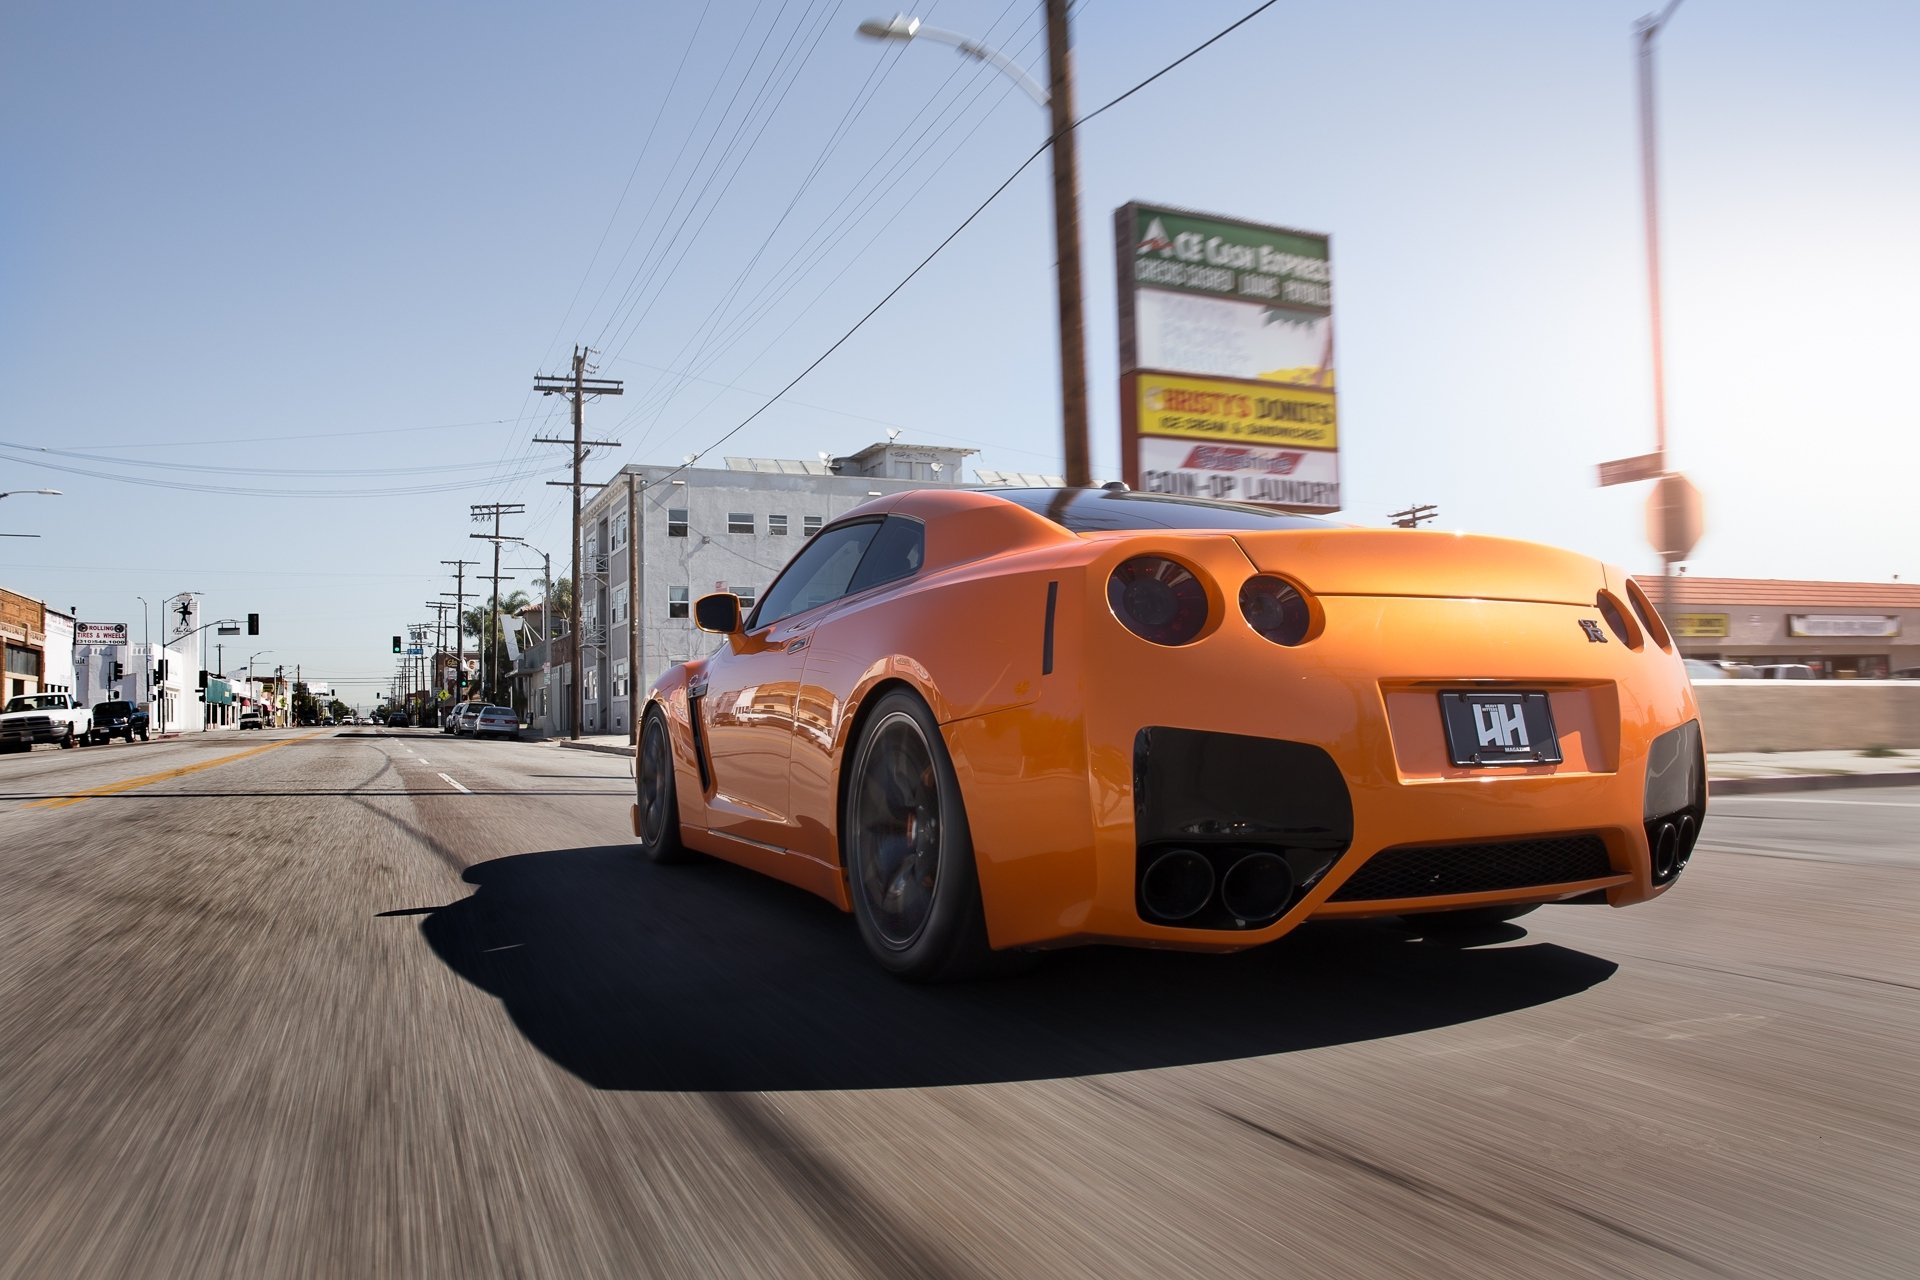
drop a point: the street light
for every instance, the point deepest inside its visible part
(146, 656)
(250, 658)
(51, 493)
(1066, 205)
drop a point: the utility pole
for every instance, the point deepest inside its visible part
(1412, 516)
(1066, 237)
(460, 617)
(578, 388)
(440, 608)
(481, 511)
(1644, 31)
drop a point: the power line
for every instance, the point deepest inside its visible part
(968, 221)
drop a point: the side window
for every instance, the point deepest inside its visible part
(821, 572)
(897, 551)
(676, 522)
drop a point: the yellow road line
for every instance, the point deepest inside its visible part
(130, 784)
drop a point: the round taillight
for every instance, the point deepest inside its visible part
(1158, 599)
(1275, 609)
(1616, 620)
(1649, 616)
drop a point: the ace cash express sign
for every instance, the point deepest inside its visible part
(1226, 359)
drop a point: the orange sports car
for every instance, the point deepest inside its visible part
(998, 720)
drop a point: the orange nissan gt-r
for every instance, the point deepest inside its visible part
(1015, 719)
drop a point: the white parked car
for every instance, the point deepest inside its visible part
(504, 721)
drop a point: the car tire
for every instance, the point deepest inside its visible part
(1467, 919)
(908, 852)
(67, 743)
(656, 797)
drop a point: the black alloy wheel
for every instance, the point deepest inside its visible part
(908, 852)
(659, 812)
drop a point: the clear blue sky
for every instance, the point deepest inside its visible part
(313, 239)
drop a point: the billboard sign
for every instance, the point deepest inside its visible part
(1226, 359)
(1700, 626)
(101, 633)
(1842, 625)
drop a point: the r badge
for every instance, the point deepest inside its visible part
(1592, 628)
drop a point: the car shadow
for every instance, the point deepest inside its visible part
(706, 977)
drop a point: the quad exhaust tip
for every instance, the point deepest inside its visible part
(1689, 832)
(1666, 851)
(1257, 888)
(1177, 884)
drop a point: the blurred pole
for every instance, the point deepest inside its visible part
(1066, 235)
(1645, 30)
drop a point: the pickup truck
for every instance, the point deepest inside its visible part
(43, 717)
(118, 719)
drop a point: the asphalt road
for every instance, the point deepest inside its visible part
(370, 1003)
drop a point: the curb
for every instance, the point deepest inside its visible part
(605, 750)
(1809, 782)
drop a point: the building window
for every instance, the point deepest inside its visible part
(676, 602)
(619, 532)
(676, 522)
(619, 604)
(590, 685)
(746, 599)
(739, 522)
(777, 525)
(620, 679)
(809, 525)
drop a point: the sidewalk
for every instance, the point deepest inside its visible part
(1730, 773)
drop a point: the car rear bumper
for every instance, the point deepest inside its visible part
(1071, 799)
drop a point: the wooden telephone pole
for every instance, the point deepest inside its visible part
(577, 388)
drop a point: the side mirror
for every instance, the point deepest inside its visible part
(718, 613)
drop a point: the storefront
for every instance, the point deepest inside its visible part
(1842, 630)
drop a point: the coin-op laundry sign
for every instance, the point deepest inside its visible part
(1226, 359)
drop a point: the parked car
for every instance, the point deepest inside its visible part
(399, 720)
(1785, 671)
(117, 719)
(43, 717)
(1198, 725)
(252, 720)
(468, 717)
(504, 721)
(1701, 669)
(450, 722)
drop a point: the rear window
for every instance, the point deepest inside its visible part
(113, 708)
(1106, 510)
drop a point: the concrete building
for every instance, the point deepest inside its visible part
(700, 530)
(1843, 630)
(36, 647)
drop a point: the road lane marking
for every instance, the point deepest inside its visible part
(1878, 804)
(456, 786)
(130, 784)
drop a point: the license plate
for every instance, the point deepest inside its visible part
(1488, 728)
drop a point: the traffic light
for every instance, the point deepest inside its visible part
(463, 679)
(253, 624)
(119, 671)
(160, 671)
(203, 678)
(396, 644)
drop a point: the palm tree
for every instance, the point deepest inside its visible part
(475, 622)
(561, 604)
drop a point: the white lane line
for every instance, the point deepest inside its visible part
(456, 786)
(1878, 804)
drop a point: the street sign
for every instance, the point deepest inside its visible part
(100, 633)
(1676, 517)
(1647, 466)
